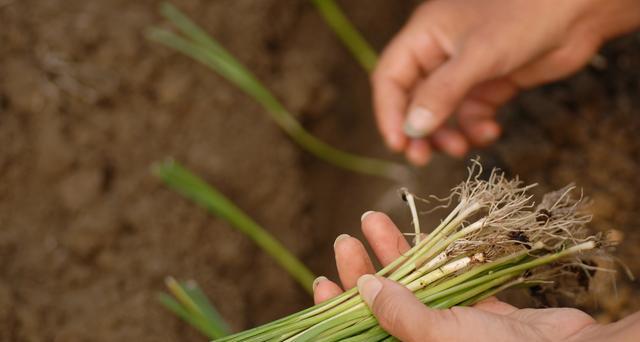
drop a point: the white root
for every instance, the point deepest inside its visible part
(414, 215)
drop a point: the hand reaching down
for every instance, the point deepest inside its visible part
(462, 59)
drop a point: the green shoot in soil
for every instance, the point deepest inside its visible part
(351, 38)
(191, 304)
(200, 46)
(191, 186)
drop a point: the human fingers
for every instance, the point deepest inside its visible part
(477, 120)
(450, 141)
(383, 236)
(557, 64)
(439, 95)
(409, 56)
(418, 152)
(352, 260)
(324, 289)
(402, 315)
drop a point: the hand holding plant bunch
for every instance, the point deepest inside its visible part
(405, 317)
(495, 237)
(463, 59)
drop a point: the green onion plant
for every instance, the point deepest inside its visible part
(348, 34)
(196, 43)
(494, 238)
(191, 304)
(185, 299)
(191, 186)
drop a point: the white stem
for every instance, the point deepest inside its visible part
(414, 215)
(447, 269)
(443, 244)
(433, 263)
(427, 251)
(579, 248)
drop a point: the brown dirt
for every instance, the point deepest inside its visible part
(87, 105)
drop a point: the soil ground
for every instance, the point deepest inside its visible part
(87, 105)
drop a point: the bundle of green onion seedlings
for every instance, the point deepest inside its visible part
(495, 237)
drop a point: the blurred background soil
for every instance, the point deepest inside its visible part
(87, 105)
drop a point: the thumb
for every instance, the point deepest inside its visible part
(401, 314)
(439, 95)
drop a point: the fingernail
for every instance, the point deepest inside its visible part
(318, 281)
(420, 122)
(366, 214)
(369, 286)
(341, 237)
